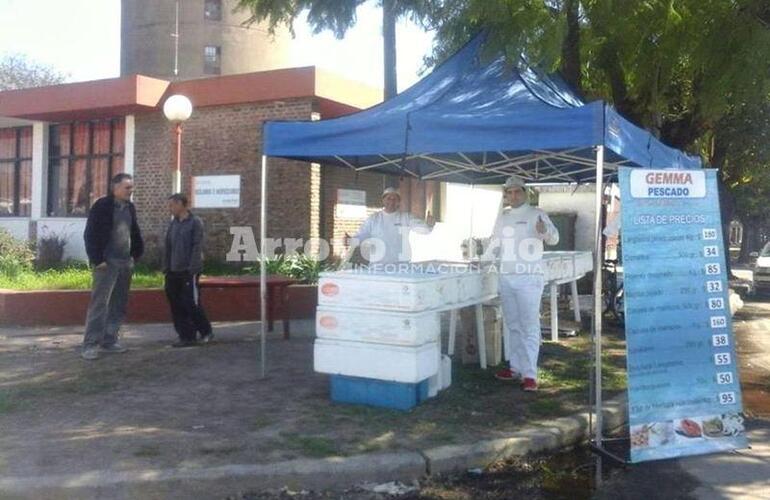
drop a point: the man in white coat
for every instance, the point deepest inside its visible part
(519, 233)
(386, 232)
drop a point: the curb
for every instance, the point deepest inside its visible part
(330, 472)
(202, 482)
(549, 435)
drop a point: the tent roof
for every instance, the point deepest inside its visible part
(478, 123)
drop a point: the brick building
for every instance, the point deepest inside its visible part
(59, 145)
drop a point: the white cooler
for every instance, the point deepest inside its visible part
(562, 265)
(409, 365)
(379, 327)
(475, 281)
(387, 291)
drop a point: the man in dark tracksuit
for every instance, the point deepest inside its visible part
(113, 243)
(183, 264)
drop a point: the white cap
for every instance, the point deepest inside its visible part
(391, 190)
(514, 181)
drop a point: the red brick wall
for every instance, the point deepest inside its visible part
(221, 140)
(343, 178)
(414, 195)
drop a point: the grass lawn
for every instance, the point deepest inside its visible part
(77, 276)
(74, 278)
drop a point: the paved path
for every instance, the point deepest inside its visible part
(744, 474)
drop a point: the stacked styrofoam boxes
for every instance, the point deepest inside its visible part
(383, 327)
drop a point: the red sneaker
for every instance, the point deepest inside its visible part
(529, 385)
(507, 374)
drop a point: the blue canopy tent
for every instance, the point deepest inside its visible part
(477, 122)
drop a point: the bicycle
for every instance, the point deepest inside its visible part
(613, 300)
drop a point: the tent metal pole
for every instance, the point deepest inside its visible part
(471, 245)
(262, 267)
(597, 319)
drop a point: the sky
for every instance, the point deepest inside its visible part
(81, 38)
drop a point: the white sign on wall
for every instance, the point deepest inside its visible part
(217, 191)
(351, 204)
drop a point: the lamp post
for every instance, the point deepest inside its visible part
(177, 109)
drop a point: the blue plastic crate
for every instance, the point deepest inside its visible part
(380, 393)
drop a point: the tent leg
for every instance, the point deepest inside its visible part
(481, 338)
(597, 314)
(262, 267)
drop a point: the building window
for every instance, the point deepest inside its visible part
(212, 10)
(82, 157)
(16, 171)
(212, 60)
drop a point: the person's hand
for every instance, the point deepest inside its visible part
(430, 220)
(103, 265)
(540, 226)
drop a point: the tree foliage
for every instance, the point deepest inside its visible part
(338, 16)
(19, 72)
(673, 66)
(695, 72)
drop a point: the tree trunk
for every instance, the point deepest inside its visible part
(750, 236)
(726, 197)
(389, 47)
(570, 48)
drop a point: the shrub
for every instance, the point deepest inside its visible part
(16, 255)
(50, 249)
(299, 266)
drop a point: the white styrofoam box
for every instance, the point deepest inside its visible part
(489, 283)
(383, 327)
(552, 269)
(470, 285)
(387, 291)
(475, 278)
(408, 365)
(570, 264)
(584, 263)
(446, 371)
(434, 385)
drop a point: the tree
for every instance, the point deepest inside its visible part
(742, 146)
(691, 71)
(19, 72)
(338, 16)
(672, 66)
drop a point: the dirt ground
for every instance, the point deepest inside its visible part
(570, 475)
(156, 406)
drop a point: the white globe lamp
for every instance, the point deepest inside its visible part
(177, 109)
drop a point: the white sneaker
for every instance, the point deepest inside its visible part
(90, 353)
(114, 348)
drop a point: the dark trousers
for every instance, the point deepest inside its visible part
(184, 298)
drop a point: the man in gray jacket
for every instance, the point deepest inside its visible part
(183, 263)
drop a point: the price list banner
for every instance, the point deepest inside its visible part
(683, 389)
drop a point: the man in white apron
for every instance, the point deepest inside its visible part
(519, 232)
(385, 234)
